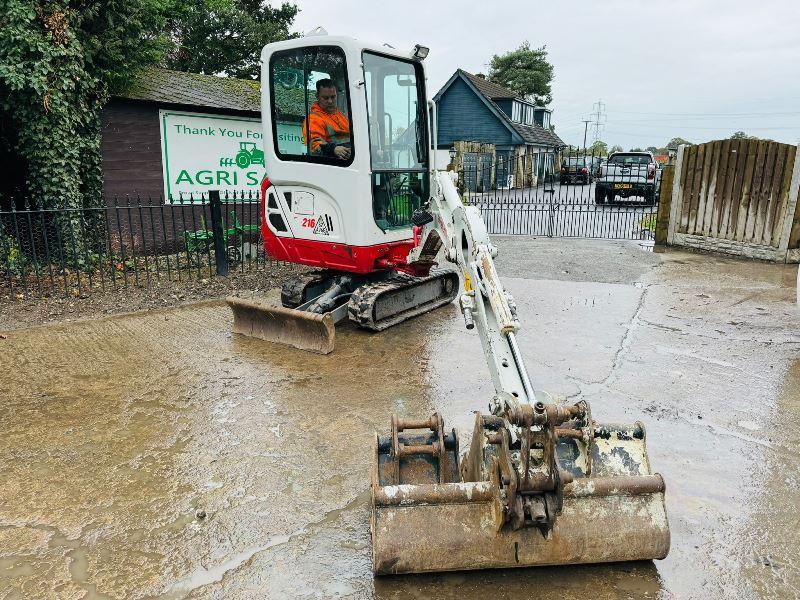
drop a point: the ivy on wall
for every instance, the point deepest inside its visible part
(58, 62)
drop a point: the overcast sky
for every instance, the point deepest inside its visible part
(699, 69)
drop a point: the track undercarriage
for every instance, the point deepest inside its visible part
(314, 302)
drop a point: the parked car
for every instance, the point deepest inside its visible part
(627, 174)
(576, 169)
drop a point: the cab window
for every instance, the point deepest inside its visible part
(396, 109)
(311, 105)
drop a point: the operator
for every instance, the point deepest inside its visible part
(330, 128)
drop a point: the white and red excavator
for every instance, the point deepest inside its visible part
(541, 483)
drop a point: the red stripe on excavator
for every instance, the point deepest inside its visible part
(332, 255)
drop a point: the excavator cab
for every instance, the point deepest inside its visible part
(346, 135)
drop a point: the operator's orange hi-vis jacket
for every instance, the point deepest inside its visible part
(328, 130)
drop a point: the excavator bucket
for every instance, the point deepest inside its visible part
(430, 513)
(300, 329)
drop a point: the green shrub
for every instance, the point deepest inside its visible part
(12, 260)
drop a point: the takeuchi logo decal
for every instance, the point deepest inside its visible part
(324, 225)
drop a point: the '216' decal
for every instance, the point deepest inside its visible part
(322, 225)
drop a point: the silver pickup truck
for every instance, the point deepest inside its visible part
(627, 174)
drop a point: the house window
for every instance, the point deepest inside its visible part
(522, 113)
(528, 115)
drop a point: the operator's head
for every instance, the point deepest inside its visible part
(326, 95)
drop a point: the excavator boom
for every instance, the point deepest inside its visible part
(540, 484)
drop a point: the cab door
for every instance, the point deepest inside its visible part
(310, 155)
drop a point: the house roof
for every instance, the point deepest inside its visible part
(193, 89)
(536, 134)
(489, 88)
(489, 91)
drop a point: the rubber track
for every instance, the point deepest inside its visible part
(361, 307)
(292, 289)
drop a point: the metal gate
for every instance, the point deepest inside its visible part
(502, 168)
(477, 175)
(564, 204)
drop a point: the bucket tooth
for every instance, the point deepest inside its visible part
(300, 329)
(426, 519)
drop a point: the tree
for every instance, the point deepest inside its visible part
(678, 141)
(599, 148)
(526, 71)
(58, 61)
(226, 36)
(637, 149)
(652, 150)
(615, 148)
(741, 135)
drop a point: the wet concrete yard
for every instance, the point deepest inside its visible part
(157, 455)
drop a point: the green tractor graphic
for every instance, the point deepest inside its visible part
(249, 155)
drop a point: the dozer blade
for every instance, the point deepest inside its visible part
(297, 328)
(425, 517)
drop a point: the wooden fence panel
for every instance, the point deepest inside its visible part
(747, 187)
(773, 194)
(783, 200)
(762, 194)
(731, 154)
(703, 194)
(697, 186)
(738, 183)
(794, 237)
(711, 188)
(737, 190)
(714, 189)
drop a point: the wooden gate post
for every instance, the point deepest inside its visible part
(664, 204)
(677, 196)
(791, 209)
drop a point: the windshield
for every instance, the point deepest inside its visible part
(576, 162)
(630, 159)
(396, 113)
(310, 105)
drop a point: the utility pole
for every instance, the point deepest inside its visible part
(598, 119)
(585, 129)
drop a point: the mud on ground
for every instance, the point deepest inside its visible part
(18, 311)
(157, 455)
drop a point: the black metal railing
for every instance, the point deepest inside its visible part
(564, 194)
(131, 241)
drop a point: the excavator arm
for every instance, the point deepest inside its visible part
(484, 303)
(540, 484)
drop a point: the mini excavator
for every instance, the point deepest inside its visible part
(540, 483)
